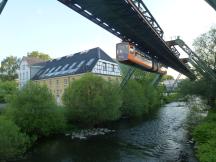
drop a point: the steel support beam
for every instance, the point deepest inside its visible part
(2, 5)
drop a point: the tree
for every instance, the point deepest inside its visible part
(12, 141)
(7, 88)
(9, 68)
(92, 100)
(134, 100)
(205, 47)
(39, 55)
(34, 110)
(167, 77)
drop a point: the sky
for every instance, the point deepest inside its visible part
(53, 28)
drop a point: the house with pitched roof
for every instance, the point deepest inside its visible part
(28, 67)
(57, 73)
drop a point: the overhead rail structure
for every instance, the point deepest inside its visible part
(212, 3)
(131, 21)
(2, 5)
(195, 61)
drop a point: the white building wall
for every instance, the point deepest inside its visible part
(24, 73)
(106, 68)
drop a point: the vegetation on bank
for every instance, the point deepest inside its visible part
(205, 136)
(32, 112)
(92, 100)
(12, 141)
(205, 87)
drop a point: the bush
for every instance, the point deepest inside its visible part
(12, 141)
(140, 97)
(205, 136)
(92, 100)
(35, 111)
(7, 88)
(134, 102)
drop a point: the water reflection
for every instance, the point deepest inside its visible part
(160, 137)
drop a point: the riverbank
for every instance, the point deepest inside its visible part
(202, 128)
(205, 136)
(162, 136)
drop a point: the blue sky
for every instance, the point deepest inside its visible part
(50, 27)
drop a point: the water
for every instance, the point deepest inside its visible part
(161, 137)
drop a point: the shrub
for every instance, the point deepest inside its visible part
(7, 88)
(134, 102)
(206, 152)
(12, 141)
(205, 136)
(140, 97)
(34, 110)
(92, 100)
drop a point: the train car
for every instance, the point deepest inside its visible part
(128, 54)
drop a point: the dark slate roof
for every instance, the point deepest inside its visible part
(77, 63)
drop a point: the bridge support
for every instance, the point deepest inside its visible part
(2, 5)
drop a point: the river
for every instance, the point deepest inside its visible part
(160, 137)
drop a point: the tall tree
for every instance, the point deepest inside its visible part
(9, 68)
(205, 47)
(39, 55)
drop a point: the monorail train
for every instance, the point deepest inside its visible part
(128, 54)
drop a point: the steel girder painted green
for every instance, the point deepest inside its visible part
(2, 5)
(212, 3)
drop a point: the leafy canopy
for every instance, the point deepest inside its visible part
(92, 100)
(39, 55)
(9, 67)
(34, 110)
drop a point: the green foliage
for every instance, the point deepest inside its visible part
(7, 88)
(206, 152)
(92, 100)
(167, 77)
(205, 47)
(34, 110)
(39, 55)
(205, 136)
(12, 141)
(134, 101)
(9, 67)
(202, 87)
(140, 97)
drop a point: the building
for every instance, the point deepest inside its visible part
(28, 67)
(57, 73)
(171, 84)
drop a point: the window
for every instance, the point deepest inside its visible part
(26, 74)
(90, 62)
(57, 82)
(58, 68)
(65, 82)
(50, 82)
(72, 65)
(51, 70)
(23, 67)
(80, 64)
(65, 66)
(113, 68)
(104, 66)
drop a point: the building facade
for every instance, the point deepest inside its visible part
(57, 73)
(28, 67)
